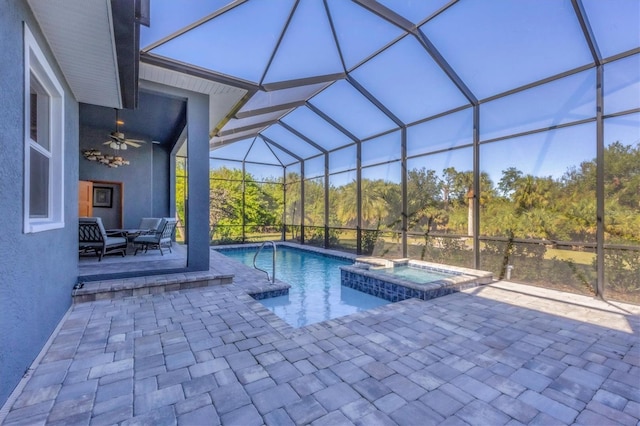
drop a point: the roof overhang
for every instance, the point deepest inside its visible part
(223, 98)
(96, 45)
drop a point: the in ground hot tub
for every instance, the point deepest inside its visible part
(396, 280)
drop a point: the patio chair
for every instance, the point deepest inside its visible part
(150, 224)
(93, 237)
(162, 237)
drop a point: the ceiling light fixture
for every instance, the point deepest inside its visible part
(118, 141)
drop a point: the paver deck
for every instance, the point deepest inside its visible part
(500, 354)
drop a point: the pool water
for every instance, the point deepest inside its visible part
(416, 275)
(316, 293)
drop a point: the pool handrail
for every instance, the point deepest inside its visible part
(255, 256)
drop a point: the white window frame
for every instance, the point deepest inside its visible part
(36, 65)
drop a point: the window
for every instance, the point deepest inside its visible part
(44, 139)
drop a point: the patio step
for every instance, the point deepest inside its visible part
(152, 284)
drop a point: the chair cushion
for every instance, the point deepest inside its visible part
(91, 245)
(150, 239)
(115, 241)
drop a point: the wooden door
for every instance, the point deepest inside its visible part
(85, 198)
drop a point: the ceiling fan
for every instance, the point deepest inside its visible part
(117, 139)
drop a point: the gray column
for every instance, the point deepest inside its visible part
(198, 183)
(600, 211)
(359, 197)
(302, 208)
(476, 186)
(197, 130)
(405, 202)
(326, 200)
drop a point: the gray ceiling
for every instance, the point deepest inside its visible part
(157, 118)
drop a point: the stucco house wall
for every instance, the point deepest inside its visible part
(38, 270)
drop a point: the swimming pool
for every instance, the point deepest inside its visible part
(316, 293)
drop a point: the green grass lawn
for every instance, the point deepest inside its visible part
(580, 257)
(258, 237)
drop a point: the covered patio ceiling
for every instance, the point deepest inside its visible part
(158, 119)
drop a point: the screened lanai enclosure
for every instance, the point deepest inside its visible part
(502, 135)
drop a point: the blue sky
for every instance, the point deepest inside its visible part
(496, 46)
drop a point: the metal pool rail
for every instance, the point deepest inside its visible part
(273, 270)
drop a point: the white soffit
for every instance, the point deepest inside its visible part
(218, 141)
(222, 97)
(239, 123)
(80, 34)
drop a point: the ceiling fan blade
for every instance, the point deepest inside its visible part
(132, 143)
(136, 140)
(106, 143)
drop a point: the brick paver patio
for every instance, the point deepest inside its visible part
(500, 354)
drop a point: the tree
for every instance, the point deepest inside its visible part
(293, 208)
(423, 193)
(181, 196)
(508, 182)
(377, 196)
(533, 192)
(234, 202)
(314, 202)
(374, 206)
(622, 174)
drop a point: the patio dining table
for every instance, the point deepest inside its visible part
(130, 234)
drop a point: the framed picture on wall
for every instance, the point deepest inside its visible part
(102, 196)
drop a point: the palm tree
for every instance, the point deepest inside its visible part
(375, 208)
(532, 192)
